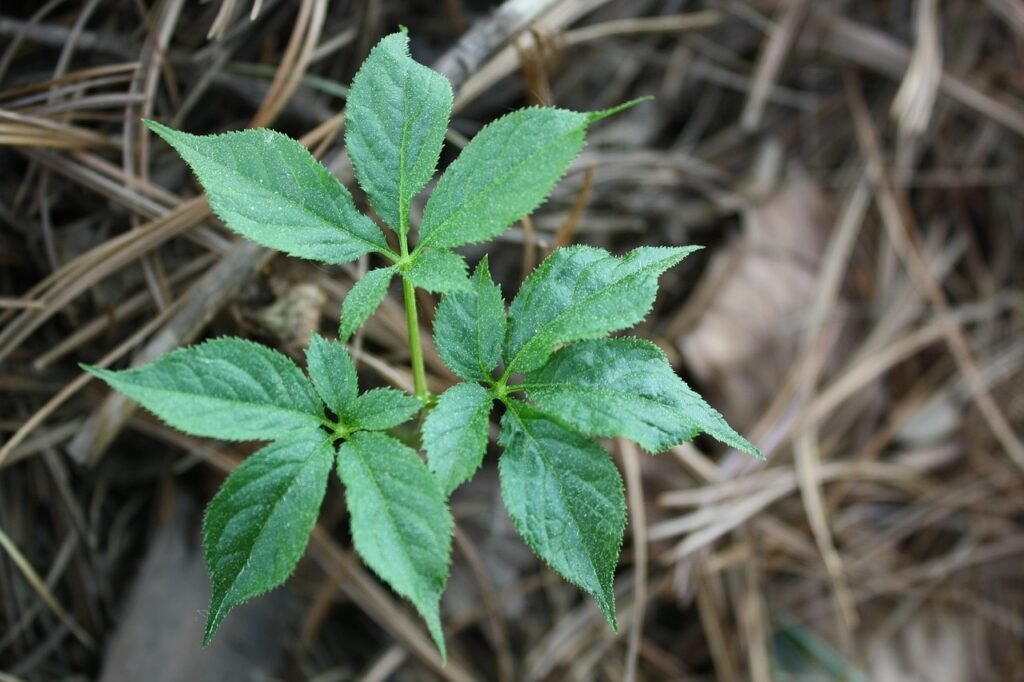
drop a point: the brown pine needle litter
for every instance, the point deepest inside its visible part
(854, 171)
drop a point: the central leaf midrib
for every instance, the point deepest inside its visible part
(561, 490)
(464, 206)
(229, 401)
(403, 201)
(322, 220)
(393, 522)
(546, 327)
(291, 484)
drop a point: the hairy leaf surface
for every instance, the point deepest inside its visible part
(382, 408)
(268, 188)
(225, 388)
(333, 374)
(504, 173)
(397, 116)
(438, 271)
(401, 525)
(257, 526)
(363, 299)
(469, 327)
(582, 292)
(455, 434)
(565, 498)
(626, 387)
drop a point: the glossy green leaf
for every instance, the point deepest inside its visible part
(439, 271)
(398, 114)
(257, 526)
(268, 188)
(333, 373)
(401, 525)
(582, 292)
(503, 174)
(566, 499)
(363, 299)
(224, 388)
(626, 387)
(382, 408)
(455, 434)
(469, 327)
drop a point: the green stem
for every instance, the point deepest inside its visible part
(419, 373)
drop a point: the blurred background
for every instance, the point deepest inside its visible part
(854, 172)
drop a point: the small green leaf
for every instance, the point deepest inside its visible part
(257, 526)
(332, 372)
(268, 188)
(626, 387)
(363, 299)
(382, 408)
(224, 388)
(469, 327)
(438, 271)
(582, 292)
(503, 174)
(565, 498)
(397, 117)
(455, 434)
(401, 525)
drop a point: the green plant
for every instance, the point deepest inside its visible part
(547, 359)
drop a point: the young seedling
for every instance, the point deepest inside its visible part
(547, 359)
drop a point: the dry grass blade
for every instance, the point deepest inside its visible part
(779, 44)
(638, 523)
(26, 130)
(39, 586)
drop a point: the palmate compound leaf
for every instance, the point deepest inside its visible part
(268, 188)
(257, 526)
(397, 115)
(469, 327)
(582, 292)
(455, 434)
(626, 387)
(566, 499)
(401, 525)
(363, 299)
(224, 388)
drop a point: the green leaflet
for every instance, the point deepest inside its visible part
(268, 188)
(455, 434)
(438, 271)
(504, 173)
(566, 499)
(363, 299)
(224, 388)
(401, 525)
(256, 528)
(626, 387)
(397, 117)
(582, 292)
(382, 408)
(333, 374)
(469, 327)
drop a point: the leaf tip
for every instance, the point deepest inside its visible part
(595, 116)
(213, 620)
